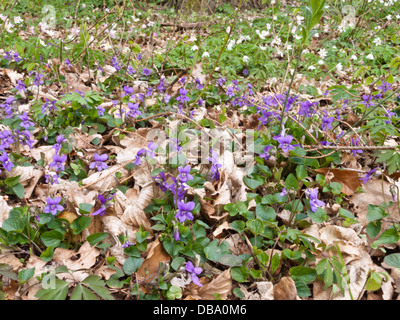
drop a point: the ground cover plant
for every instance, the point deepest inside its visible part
(151, 152)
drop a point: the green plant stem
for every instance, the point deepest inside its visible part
(290, 86)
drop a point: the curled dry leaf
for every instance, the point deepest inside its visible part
(349, 179)
(4, 210)
(150, 267)
(33, 285)
(221, 285)
(350, 244)
(106, 179)
(25, 173)
(264, 291)
(78, 262)
(285, 289)
(376, 193)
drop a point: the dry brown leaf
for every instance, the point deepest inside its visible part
(285, 289)
(376, 193)
(82, 260)
(349, 179)
(4, 210)
(106, 179)
(13, 76)
(150, 267)
(33, 284)
(221, 285)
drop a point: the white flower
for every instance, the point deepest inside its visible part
(228, 29)
(112, 33)
(311, 68)
(18, 20)
(205, 54)
(370, 56)
(194, 48)
(299, 20)
(230, 45)
(8, 27)
(353, 57)
(321, 61)
(263, 34)
(246, 59)
(262, 48)
(377, 41)
(339, 67)
(323, 53)
(389, 17)
(268, 26)
(83, 5)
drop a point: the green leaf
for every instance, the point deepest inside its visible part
(301, 288)
(374, 282)
(318, 216)
(96, 238)
(253, 183)
(80, 224)
(375, 213)
(388, 236)
(214, 250)
(240, 274)
(52, 238)
(230, 260)
(60, 291)
(304, 273)
(12, 181)
(25, 274)
(19, 190)
(177, 262)
(275, 262)
(98, 286)
(238, 225)
(255, 225)
(82, 293)
(174, 292)
(5, 271)
(292, 255)
(132, 265)
(266, 215)
(373, 228)
(13, 225)
(84, 208)
(291, 182)
(393, 260)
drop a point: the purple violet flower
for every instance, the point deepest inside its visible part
(327, 123)
(99, 162)
(138, 158)
(314, 202)
(53, 206)
(184, 210)
(58, 162)
(104, 205)
(368, 176)
(194, 272)
(184, 174)
(266, 155)
(284, 143)
(146, 72)
(7, 164)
